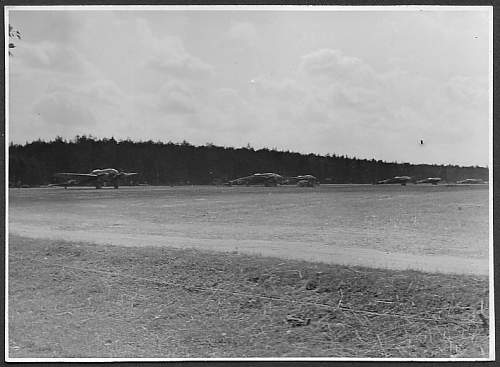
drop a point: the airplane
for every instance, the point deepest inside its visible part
(395, 180)
(431, 180)
(471, 181)
(96, 177)
(266, 179)
(303, 180)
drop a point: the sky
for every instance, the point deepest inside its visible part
(365, 83)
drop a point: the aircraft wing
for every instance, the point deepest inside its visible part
(75, 178)
(75, 175)
(127, 174)
(63, 184)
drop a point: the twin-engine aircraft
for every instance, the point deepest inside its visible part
(431, 180)
(303, 181)
(473, 181)
(97, 177)
(266, 179)
(273, 179)
(403, 180)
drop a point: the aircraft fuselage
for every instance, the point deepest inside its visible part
(431, 180)
(266, 179)
(395, 180)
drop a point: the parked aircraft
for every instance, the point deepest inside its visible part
(266, 179)
(471, 181)
(431, 180)
(96, 177)
(303, 180)
(395, 180)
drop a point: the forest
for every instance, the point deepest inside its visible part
(158, 163)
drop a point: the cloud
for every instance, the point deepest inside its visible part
(333, 65)
(176, 98)
(99, 108)
(116, 89)
(168, 55)
(179, 65)
(135, 57)
(102, 91)
(51, 57)
(343, 105)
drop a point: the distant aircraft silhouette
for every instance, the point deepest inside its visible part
(471, 181)
(97, 177)
(266, 179)
(395, 180)
(431, 180)
(303, 181)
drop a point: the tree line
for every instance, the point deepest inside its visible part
(159, 163)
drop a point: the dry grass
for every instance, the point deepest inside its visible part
(344, 311)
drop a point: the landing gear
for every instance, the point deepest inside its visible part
(305, 183)
(98, 185)
(115, 185)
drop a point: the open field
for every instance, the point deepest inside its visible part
(82, 300)
(432, 228)
(132, 272)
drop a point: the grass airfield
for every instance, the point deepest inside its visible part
(430, 228)
(132, 272)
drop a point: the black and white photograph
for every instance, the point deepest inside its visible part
(231, 183)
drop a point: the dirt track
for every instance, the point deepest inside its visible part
(425, 228)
